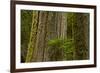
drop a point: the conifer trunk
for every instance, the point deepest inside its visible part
(46, 26)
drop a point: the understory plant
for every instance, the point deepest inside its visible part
(61, 49)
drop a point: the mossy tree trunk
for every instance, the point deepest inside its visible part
(46, 26)
(81, 36)
(33, 35)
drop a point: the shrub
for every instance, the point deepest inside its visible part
(60, 48)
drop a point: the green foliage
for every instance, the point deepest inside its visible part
(68, 45)
(55, 42)
(26, 21)
(70, 25)
(65, 45)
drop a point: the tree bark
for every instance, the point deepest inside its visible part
(38, 54)
(81, 36)
(33, 35)
(46, 26)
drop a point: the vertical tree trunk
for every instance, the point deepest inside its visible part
(58, 28)
(63, 25)
(86, 36)
(38, 54)
(81, 36)
(33, 35)
(46, 26)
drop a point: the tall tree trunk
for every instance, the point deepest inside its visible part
(63, 25)
(46, 26)
(58, 28)
(86, 36)
(38, 54)
(33, 35)
(81, 36)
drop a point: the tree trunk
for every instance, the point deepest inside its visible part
(46, 26)
(33, 35)
(58, 30)
(81, 36)
(38, 54)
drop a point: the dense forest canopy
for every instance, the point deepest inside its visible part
(54, 36)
